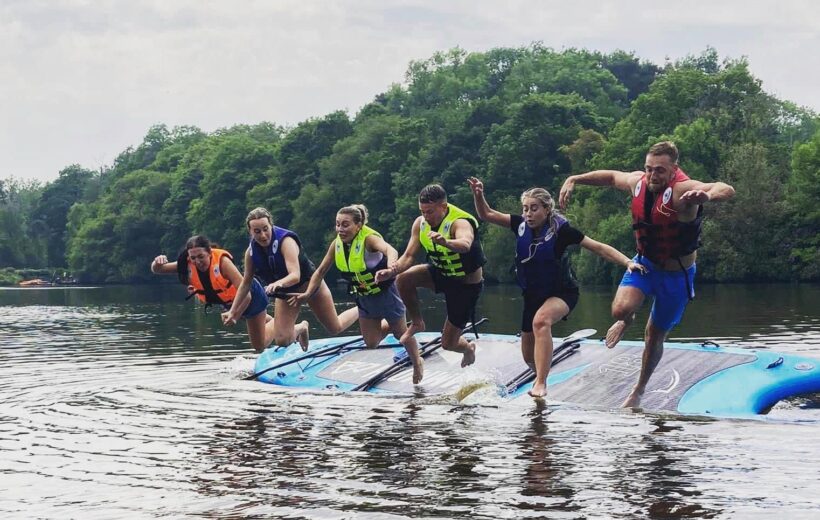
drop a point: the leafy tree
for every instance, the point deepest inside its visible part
(240, 159)
(297, 163)
(314, 210)
(515, 117)
(16, 249)
(701, 148)
(51, 212)
(525, 150)
(176, 146)
(743, 228)
(802, 196)
(89, 245)
(581, 151)
(361, 169)
(456, 77)
(131, 159)
(184, 189)
(115, 238)
(631, 72)
(571, 72)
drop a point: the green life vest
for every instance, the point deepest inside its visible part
(448, 262)
(353, 267)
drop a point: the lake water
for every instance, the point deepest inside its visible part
(127, 402)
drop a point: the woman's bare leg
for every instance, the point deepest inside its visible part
(323, 307)
(550, 312)
(260, 331)
(286, 330)
(399, 327)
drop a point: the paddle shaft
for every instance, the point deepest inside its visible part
(327, 351)
(307, 355)
(424, 351)
(463, 331)
(395, 367)
(567, 347)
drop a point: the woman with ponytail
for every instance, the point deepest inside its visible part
(275, 257)
(362, 257)
(542, 270)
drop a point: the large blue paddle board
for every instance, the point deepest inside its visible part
(701, 379)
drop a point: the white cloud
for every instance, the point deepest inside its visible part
(82, 80)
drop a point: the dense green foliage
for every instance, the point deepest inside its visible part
(21, 243)
(515, 118)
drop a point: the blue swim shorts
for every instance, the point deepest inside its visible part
(259, 300)
(668, 288)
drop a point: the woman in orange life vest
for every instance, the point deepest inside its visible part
(275, 256)
(211, 276)
(361, 255)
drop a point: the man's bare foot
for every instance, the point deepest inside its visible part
(633, 400)
(412, 330)
(538, 390)
(418, 370)
(615, 333)
(303, 337)
(469, 355)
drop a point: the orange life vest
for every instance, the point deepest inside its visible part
(223, 291)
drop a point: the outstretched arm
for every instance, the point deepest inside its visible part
(607, 252)
(407, 259)
(242, 292)
(161, 265)
(700, 192)
(377, 243)
(624, 181)
(485, 212)
(230, 272)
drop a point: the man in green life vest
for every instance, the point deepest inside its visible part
(448, 235)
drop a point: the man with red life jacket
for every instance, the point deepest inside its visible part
(667, 208)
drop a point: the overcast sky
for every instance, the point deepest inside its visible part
(81, 80)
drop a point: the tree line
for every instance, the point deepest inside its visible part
(513, 117)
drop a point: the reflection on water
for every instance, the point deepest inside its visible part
(127, 402)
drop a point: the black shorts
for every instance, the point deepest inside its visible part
(533, 302)
(460, 298)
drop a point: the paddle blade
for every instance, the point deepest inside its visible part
(578, 335)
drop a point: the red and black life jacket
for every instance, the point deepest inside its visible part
(659, 235)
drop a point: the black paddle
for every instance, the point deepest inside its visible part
(566, 348)
(330, 350)
(424, 351)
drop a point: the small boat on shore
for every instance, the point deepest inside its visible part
(35, 282)
(692, 378)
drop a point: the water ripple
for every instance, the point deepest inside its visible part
(137, 409)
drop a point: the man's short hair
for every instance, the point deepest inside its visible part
(665, 148)
(432, 193)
